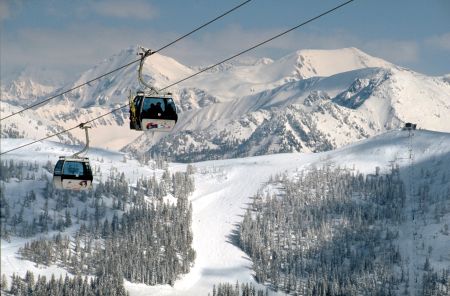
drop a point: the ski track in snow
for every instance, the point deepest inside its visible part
(223, 190)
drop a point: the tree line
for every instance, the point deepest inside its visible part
(68, 286)
(329, 231)
(141, 233)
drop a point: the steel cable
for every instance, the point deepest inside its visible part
(126, 65)
(201, 71)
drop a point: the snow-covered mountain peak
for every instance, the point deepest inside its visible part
(157, 66)
(159, 71)
(314, 62)
(347, 88)
(164, 70)
(242, 77)
(263, 61)
(25, 90)
(38, 74)
(29, 84)
(266, 74)
(446, 78)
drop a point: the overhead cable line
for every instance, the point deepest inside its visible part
(129, 64)
(199, 72)
(259, 44)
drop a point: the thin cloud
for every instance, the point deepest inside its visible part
(125, 9)
(395, 51)
(73, 50)
(210, 47)
(67, 50)
(9, 9)
(4, 11)
(441, 42)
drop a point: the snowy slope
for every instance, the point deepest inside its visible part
(229, 106)
(26, 90)
(96, 99)
(103, 162)
(30, 84)
(225, 187)
(159, 70)
(110, 131)
(314, 114)
(240, 81)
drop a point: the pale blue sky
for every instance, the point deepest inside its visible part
(72, 36)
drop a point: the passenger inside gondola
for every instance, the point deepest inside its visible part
(73, 168)
(170, 112)
(153, 108)
(158, 109)
(149, 112)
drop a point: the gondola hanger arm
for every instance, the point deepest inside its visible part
(144, 54)
(84, 126)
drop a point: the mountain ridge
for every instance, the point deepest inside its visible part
(360, 102)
